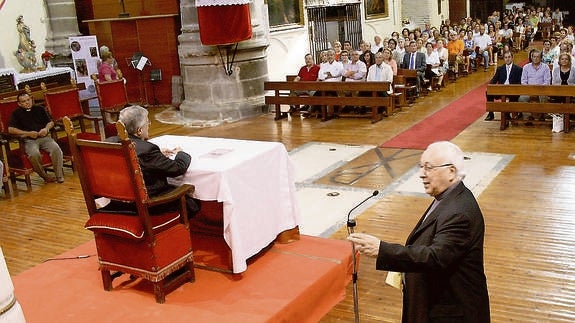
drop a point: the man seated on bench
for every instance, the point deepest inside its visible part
(356, 70)
(332, 70)
(535, 73)
(381, 72)
(415, 60)
(308, 72)
(507, 73)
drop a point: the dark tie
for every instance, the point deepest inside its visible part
(412, 62)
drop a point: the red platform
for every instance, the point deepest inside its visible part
(295, 282)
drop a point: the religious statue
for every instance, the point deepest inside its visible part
(26, 53)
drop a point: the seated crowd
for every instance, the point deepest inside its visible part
(457, 48)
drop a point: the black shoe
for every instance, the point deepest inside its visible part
(490, 116)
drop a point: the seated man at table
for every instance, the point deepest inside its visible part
(33, 123)
(156, 164)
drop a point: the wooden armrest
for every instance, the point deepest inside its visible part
(172, 195)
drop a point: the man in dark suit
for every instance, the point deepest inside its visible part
(156, 164)
(414, 60)
(507, 73)
(442, 260)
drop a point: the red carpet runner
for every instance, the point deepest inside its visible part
(296, 282)
(444, 124)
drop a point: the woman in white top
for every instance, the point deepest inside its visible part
(443, 55)
(564, 74)
(432, 60)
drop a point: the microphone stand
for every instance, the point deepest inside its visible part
(350, 229)
(350, 225)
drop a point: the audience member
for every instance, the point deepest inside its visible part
(105, 49)
(557, 15)
(388, 59)
(381, 72)
(347, 46)
(443, 258)
(564, 74)
(548, 55)
(309, 71)
(433, 63)
(157, 165)
(399, 50)
(33, 123)
(106, 71)
(482, 43)
(337, 50)
(455, 48)
(507, 73)
(332, 70)
(377, 44)
(495, 42)
(368, 58)
(535, 73)
(356, 70)
(414, 60)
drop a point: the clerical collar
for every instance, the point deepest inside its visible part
(443, 194)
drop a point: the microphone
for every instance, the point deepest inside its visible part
(351, 222)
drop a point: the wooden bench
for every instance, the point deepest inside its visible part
(561, 102)
(340, 90)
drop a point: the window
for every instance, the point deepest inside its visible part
(285, 12)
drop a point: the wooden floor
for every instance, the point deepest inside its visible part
(529, 209)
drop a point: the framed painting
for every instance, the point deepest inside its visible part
(285, 12)
(376, 9)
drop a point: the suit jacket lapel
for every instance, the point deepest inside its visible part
(421, 225)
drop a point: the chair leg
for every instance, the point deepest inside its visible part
(192, 271)
(159, 292)
(28, 183)
(106, 279)
(6, 186)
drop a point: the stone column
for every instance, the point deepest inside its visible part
(210, 95)
(63, 23)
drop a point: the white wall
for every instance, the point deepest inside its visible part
(421, 11)
(34, 17)
(288, 47)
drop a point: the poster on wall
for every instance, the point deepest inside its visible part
(86, 59)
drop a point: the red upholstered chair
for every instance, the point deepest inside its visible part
(157, 248)
(17, 161)
(112, 98)
(66, 102)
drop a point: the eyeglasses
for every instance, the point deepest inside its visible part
(427, 167)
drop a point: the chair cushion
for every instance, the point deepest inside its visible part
(129, 226)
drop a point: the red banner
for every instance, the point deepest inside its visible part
(222, 25)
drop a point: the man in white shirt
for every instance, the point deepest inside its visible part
(332, 70)
(356, 70)
(482, 42)
(380, 72)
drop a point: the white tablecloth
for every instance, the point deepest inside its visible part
(255, 180)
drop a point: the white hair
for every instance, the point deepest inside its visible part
(451, 154)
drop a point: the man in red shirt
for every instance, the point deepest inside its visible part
(309, 71)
